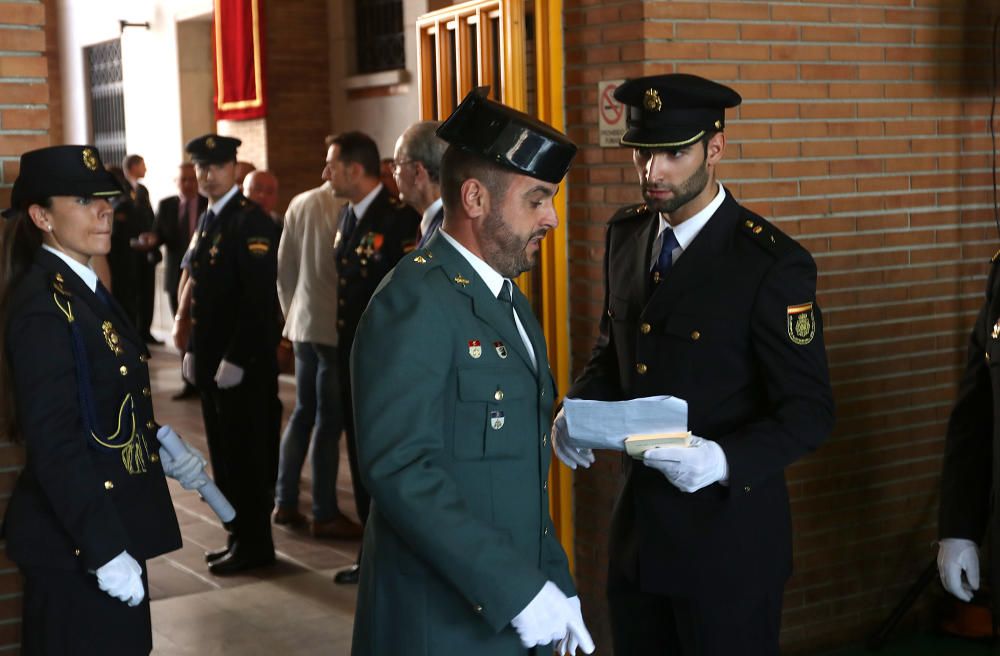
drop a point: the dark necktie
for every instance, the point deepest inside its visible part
(209, 219)
(350, 222)
(666, 257)
(103, 294)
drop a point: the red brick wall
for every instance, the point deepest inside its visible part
(863, 134)
(29, 118)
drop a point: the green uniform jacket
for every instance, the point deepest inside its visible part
(453, 442)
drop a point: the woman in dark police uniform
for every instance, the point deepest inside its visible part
(91, 505)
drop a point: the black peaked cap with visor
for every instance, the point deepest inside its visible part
(674, 110)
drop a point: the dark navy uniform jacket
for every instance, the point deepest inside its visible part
(234, 269)
(84, 495)
(971, 462)
(387, 230)
(734, 330)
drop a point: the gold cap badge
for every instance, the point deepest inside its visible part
(210, 143)
(652, 100)
(89, 159)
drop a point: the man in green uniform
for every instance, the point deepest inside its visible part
(452, 400)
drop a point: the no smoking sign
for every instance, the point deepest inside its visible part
(610, 113)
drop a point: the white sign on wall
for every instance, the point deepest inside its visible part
(610, 113)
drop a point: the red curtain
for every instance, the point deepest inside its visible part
(238, 50)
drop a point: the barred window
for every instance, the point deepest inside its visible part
(380, 35)
(107, 99)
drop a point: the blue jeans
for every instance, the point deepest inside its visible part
(317, 404)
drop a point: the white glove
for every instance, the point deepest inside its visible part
(543, 621)
(228, 375)
(690, 468)
(570, 456)
(188, 467)
(187, 367)
(957, 555)
(577, 634)
(121, 577)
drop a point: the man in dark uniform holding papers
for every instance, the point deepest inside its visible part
(708, 302)
(460, 553)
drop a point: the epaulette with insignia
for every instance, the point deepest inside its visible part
(58, 285)
(629, 212)
(765, 235)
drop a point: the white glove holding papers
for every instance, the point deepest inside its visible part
(569, 455)
(957, 555)
(690, 468)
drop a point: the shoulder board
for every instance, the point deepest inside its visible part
(417, 262)
(629, 212)
(765, 235)
(58, 286)
(995, 256)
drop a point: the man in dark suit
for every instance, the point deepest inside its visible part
(708, 302)
(375, 229)
(134, 168)
(231, 352)
(417, 170)
(176, 222)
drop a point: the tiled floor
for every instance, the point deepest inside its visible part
(292, 608)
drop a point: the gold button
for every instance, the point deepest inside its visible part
(76, 552)
(478, 608)
(145, 391)
(108, 485)
(641, 368)
(695, 335)
(124, 370)
(499, 395)
(154, 457)
(150, 424)
(143, 358)
(645, 328)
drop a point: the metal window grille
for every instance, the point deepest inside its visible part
(380, 35)
(107, 100)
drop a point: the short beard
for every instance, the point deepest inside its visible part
(687, 190)
(505, 251)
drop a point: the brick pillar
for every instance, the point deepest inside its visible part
(29, 118)
(863, 134)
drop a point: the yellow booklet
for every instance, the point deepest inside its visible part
(636, 445)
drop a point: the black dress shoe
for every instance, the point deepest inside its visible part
(212, 556)
(235, 562)
(348, 576)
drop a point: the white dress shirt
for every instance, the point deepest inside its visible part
(85, 272)
(687, 230)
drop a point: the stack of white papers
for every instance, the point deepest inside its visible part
(606, 424)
